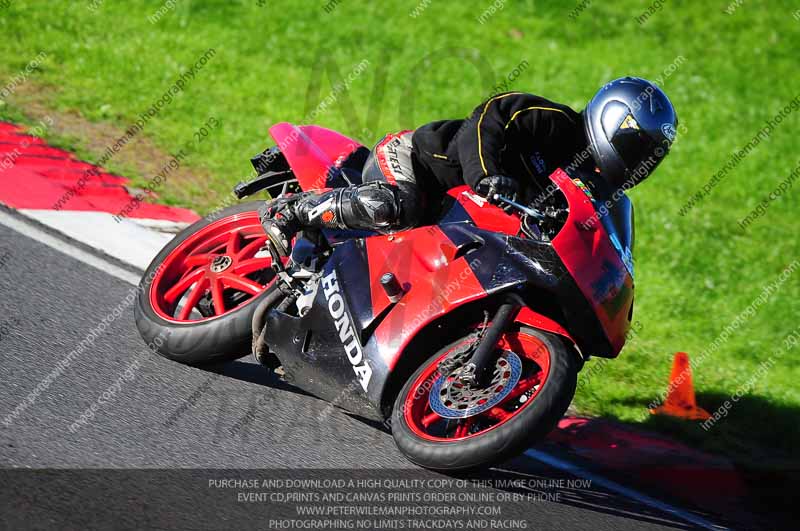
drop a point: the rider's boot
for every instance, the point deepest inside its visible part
(373, 205)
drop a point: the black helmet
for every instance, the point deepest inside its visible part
(630, 124)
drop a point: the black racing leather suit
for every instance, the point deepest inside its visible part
(515, 134)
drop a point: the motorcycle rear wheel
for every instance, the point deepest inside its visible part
(525, 415)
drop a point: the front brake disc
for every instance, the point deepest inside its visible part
(451, 398)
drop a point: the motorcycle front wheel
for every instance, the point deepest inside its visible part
(438, 422)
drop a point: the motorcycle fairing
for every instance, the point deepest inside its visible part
(314, 153)
(312, 348)
(437, 278)
(582, 244)
(465, 206)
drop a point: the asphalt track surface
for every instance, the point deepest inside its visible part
(167, 416)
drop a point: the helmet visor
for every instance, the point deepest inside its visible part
(636, 147)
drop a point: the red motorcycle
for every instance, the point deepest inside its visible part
(467, 334)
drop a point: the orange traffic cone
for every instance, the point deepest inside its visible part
(680, 400)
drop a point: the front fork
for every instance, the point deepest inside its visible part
(478, 371)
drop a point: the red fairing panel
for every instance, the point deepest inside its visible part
(530, 318)
(312, 151)
(435, 283)
(484, 214)
(588, 254)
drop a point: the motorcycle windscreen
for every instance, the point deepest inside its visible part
(618, 223)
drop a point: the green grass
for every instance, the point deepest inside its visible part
(694, 273)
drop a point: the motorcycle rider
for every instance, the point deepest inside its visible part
(510, 144)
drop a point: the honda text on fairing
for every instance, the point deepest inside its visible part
(466, 335)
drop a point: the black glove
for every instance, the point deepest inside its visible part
(493, 185)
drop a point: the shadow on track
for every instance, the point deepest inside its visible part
(252, 373)
(537, 483)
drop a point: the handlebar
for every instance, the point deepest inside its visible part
(527, 210)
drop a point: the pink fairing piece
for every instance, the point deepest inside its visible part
(312, 151)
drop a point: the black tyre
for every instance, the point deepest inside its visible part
(546, 374)
(197, 298)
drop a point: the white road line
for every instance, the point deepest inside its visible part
(41, 236)
(127, 241)
(575, 470)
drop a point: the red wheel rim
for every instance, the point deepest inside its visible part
(216, 270)
(425, 423)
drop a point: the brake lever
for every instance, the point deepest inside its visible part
(527, 210)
